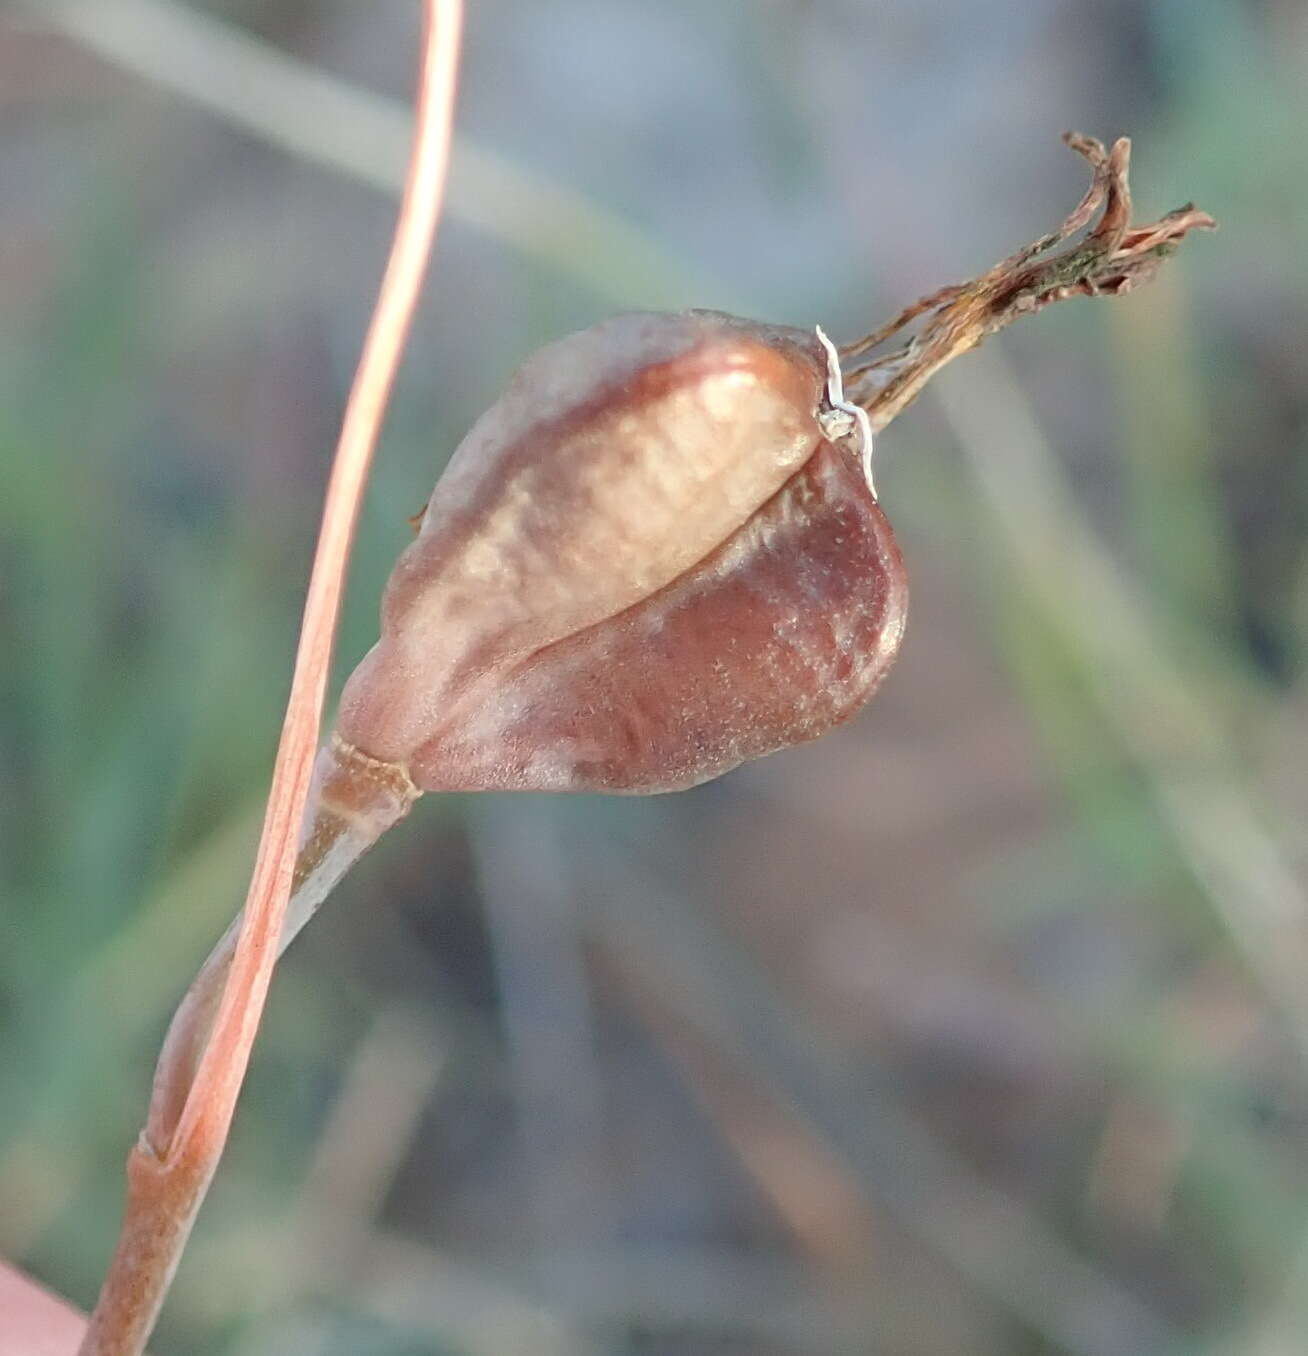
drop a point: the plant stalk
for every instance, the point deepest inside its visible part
(170, 1168)
(353, 801)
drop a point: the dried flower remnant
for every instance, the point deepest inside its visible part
(202, 1065)
(1112, 260)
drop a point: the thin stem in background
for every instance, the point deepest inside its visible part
(322, 119)
(1189, 761)
(167, 1182)
(972, 1223)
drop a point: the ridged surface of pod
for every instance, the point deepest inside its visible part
(644, 565)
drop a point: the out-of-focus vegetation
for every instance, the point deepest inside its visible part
(979, 1028)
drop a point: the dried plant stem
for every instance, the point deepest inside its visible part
(353, 800)
(1113, 259)
(171, 1166)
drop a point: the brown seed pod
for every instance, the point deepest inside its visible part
(644, 564)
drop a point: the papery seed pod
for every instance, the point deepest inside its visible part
(645, 564)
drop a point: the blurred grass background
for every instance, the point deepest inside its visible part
(979, 1028)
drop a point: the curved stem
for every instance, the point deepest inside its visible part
(169, 1173)
(353, 800)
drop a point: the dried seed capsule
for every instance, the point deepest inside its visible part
(643, 565)
(782, 632)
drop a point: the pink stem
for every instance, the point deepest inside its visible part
(167, 1181)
